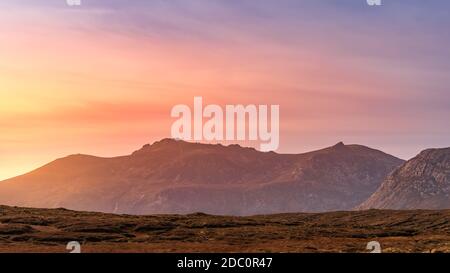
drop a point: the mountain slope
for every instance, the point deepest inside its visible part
(421, 183)
(180, 177)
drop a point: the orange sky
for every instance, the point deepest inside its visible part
(102, 80)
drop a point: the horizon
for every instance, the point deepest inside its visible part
(102, 78)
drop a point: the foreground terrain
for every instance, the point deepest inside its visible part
(49, 230)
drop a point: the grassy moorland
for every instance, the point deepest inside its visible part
(49, 230)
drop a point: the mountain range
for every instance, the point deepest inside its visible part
(173, 176)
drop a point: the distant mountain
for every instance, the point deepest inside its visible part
(179, 177)
(421, 183)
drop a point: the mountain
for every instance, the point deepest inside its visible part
(172, 176)
(421, 183)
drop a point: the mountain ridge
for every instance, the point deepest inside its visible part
(172, 176)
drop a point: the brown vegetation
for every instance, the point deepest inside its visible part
(49, 230)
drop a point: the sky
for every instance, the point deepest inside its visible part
(102, 78)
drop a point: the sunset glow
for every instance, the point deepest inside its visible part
(102, 78)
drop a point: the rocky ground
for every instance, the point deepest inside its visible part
(49, 230)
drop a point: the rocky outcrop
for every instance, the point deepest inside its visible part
(421, 183)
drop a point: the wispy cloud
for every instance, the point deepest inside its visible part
(340, 70)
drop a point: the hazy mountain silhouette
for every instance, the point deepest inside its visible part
(172, 176)
(421, 183)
